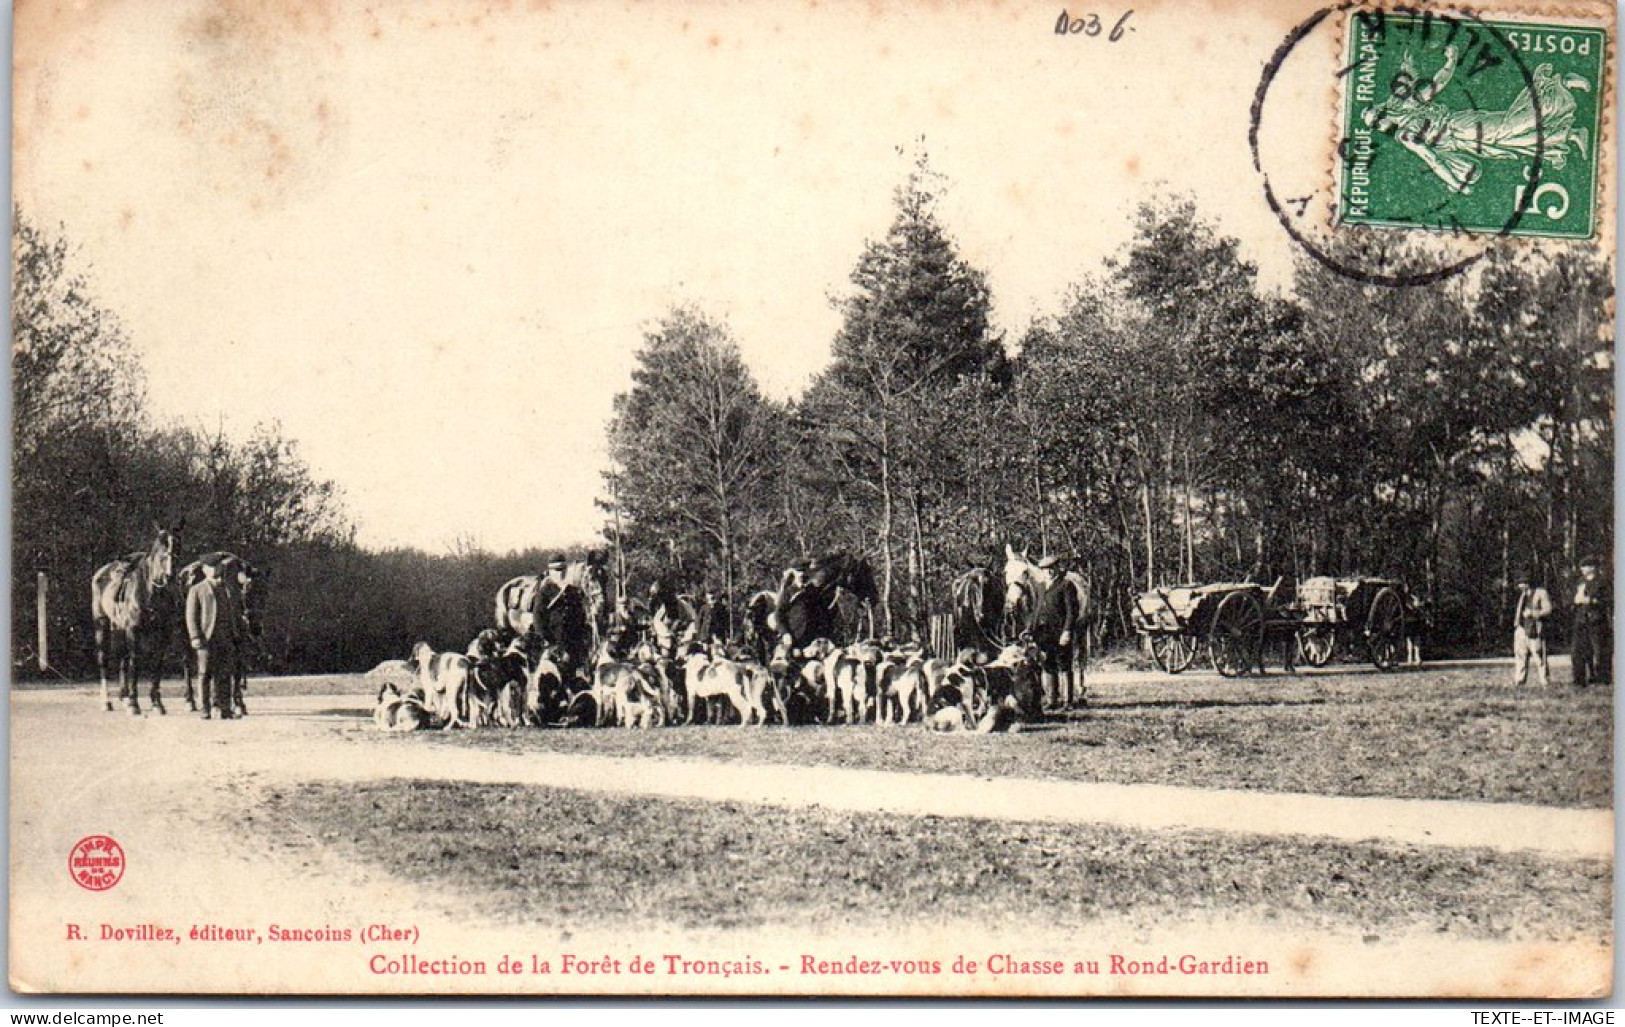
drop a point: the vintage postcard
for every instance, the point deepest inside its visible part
(829, 498)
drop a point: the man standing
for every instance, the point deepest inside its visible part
(713, 619)
(211, 625)
(1529, 634)
(1593, 627)
(1055, 614)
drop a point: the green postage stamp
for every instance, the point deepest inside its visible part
(1453, 123)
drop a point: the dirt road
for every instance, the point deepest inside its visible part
(170, 789)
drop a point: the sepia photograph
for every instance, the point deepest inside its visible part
(825, 498)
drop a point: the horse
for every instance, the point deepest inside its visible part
(592, 577)
(516, 604)
(1024, 583)
(849, 573)
(516, 600)
(523, 608)
(978, 612)
(247, 584)
(820, 606)
(134, 607)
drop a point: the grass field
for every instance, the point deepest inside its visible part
(1453, 733)
(524, 854)
(1442, 732)
(549, 856)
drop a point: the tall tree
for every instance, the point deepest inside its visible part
(72, 365)
(693, 444)
(915, 324)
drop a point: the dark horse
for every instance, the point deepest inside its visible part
(134, 607)
(247, 584)
(517, 610)
(979, 621)
(822, 604)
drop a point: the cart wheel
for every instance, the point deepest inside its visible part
(1236, 644)
(1317, 642)
(1385, 629)
(1172, 653)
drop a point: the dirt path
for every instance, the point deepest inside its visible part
(333, 755)
(167, 789)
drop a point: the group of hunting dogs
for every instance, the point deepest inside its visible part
(559, 656)
(497, 685)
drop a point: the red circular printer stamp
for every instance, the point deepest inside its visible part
(96, 862)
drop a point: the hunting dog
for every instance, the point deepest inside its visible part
(1013, 690)
(499, 679)
(798, 678)
(662, 672)
(627, 698)
(545, 695)
(849, 681)
(902, 684)
(719, 681)
(400, 713)
(445, 680)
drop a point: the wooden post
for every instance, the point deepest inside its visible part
(42, 590)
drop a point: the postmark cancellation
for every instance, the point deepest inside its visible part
(1454, 121)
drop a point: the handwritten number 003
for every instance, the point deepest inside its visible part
(1091, 25)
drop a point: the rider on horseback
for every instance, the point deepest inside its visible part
(561, 617)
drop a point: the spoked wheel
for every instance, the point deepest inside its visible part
(1317, 642)
(1173, 653)
(1385, 629)
(1236, 642)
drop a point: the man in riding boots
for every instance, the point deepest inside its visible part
(1053, 618)
(212, 617)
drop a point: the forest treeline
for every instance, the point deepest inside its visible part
(93, 474)
(1174, 421)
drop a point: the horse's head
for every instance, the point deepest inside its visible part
(1020, 579)
(860, 581)
(161, 555)
(842, 570)
(252, 582)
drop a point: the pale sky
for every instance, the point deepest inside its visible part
(427, 236)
